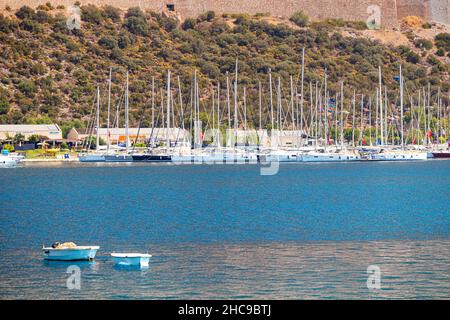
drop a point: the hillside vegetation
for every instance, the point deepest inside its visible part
(50, 73)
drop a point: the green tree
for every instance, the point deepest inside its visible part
(18, 138)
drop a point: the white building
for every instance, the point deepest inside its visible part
(51, 131)
(118, 135)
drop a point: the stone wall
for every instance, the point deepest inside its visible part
(358, 10)
(440, 11)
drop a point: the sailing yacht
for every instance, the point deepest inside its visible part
(401, 153)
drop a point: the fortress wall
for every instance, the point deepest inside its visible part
(417, 8)
(391, 10)
(316, 9)
(440, 11)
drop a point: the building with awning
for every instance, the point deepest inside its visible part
(140, 135)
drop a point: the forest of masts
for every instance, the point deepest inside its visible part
(310, 109)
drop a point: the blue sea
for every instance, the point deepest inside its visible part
(226, 232)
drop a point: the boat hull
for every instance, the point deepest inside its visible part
(131, 259)
(215, 158)
(398, 156)
(282, 157)
(118, 158)
(318, 157)
(91, 158)
(441, 155)
(70, 254)
(6, 162)
(151, 158)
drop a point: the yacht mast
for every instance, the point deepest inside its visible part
(97, 145)
(354, 116)
(235, 105)
(153, 107)
(301, 99)
(326, 111)
(127, 140)
(362, 118)
(401, 106)
(218, 114)
(380, 90)
(292, 105)
(271, 107)
(109, 110)
(229, 112)
(168, 111)
(260, 112)
(342, 115)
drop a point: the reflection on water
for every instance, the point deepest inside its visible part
(326, 270)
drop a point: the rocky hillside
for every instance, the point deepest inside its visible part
(50, 73)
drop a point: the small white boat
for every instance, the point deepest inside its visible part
(7, 162)
(131, 259)
(69, 253)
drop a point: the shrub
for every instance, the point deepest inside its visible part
(108, 42)
(433, 60)
(28, 88)
(110, 12)
(42, 16)
(25, 12)
(137, 25)
(423, 44)
(135, 12)
(4, 105)
(412, 57)
(90, 13)
(169, 24)
(31, 26)
(8, 147)
(442, 40)
(189, 23)
(6, 24)
(440, 52)
(300, 19)
(207, 16)
(124, 40)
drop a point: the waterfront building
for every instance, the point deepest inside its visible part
(51, 131)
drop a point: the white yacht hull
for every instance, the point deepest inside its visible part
(215, 158)
(398, 156)
(330, 157)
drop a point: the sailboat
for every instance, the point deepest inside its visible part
(94, 157)
(398, 154)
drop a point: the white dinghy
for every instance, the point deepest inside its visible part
(131, 259)
(69, 251)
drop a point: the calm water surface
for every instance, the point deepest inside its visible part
(225, 231)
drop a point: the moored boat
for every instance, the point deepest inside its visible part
(441, 154)
(69, 252)
(330, 157)
(7, 162)
(131, 259)
(91, 158)
(397, 156)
